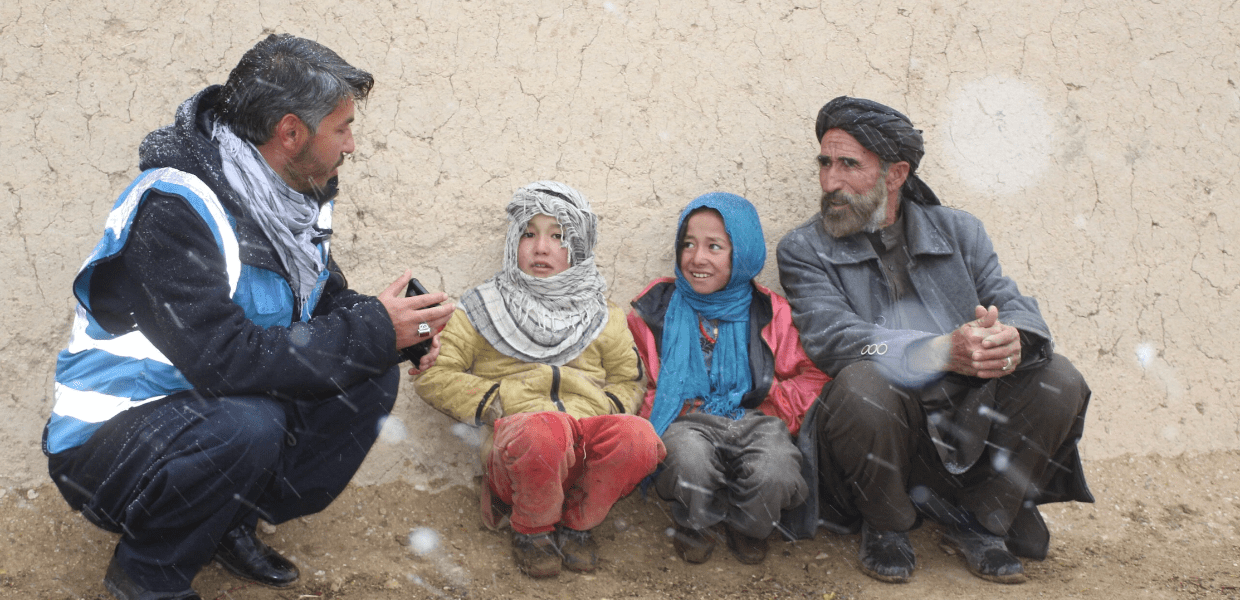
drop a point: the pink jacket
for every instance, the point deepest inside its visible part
(789, 376)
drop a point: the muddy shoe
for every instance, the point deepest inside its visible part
(886, 555)
(693, 545)
(578, 548)
(985, 555)
(536, 554)
(749, 550)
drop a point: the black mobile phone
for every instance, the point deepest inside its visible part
(417, 351)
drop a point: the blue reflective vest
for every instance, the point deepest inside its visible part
(99, 375)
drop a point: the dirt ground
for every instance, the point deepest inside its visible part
(1162, 528)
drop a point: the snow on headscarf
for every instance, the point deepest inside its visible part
(884, 131)
(551, 319)
(683, 372)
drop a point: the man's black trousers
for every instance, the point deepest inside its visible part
(175, 475)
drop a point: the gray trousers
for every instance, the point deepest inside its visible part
(738, 472)
(878, 463)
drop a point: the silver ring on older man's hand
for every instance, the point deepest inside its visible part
(424, 329)
(1007, 365)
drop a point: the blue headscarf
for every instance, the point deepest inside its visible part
(683, 372)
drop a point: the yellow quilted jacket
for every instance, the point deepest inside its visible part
(471, 382)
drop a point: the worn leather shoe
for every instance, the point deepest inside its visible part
(536, 554)
(247, 557)
(120, 585)
(886, 555)
(749, 550)
(577, 548)
(985, 555)
(693, 545)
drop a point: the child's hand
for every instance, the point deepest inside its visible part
(494, 410)
(428, 360)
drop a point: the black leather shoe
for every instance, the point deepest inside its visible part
(886, 555)
(120, 585)
(985, 555)
(247, 557)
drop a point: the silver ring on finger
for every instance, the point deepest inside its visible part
(424, 329)
(1007, 364)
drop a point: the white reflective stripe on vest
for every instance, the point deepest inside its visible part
(325, 223)
(228, 237)
(130, 345)
(92, 407)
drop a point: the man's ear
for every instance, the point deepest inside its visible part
(896, 174)
(290, 134)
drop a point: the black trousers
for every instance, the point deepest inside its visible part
(877, 461)
(175, 475)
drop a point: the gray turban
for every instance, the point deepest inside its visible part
(884, 131)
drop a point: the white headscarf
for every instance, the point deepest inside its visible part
(548, 320)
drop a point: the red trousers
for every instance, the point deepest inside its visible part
(553, 468)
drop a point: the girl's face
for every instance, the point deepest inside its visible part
(541, 253)
(706, 252)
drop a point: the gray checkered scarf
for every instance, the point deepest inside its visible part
(547, 320)
(285, 215)
(884, 131)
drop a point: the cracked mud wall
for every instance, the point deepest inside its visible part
(1097, 144)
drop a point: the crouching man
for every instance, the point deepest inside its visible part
(220, 370)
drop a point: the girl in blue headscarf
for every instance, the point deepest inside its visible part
(728, 383)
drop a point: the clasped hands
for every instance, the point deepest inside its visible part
(983, 347)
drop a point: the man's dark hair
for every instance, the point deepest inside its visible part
(286, 74)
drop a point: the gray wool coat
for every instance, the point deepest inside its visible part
(842, 304)
(843, 308)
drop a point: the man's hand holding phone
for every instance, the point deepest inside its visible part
(417, 316)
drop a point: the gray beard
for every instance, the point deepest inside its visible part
(865, 212)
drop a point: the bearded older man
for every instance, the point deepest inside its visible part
(947, 401)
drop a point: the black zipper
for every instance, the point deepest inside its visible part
(555, 388)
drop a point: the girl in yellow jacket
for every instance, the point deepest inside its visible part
(540, 355)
